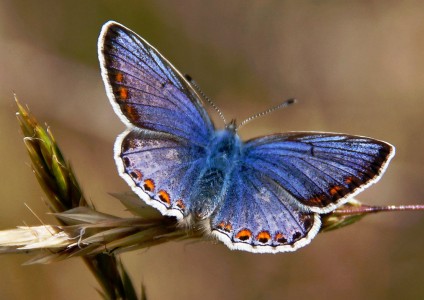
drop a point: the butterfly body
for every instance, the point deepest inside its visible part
(223, 154)
(264, 195)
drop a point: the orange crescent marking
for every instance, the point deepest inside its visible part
(119, 77)
(279, 237)
(149, 185)
(335, 189)
(123, 93)
(263, 237)
(164, 196)
(228, 227)
(221, 225)
(136, 174)
(180, 204)
(244, 234)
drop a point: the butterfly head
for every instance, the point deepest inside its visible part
(231, 126)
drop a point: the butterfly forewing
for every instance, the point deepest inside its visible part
(146, 90)
(321, 170)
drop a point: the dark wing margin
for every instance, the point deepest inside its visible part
(145, 90)
(320, 170)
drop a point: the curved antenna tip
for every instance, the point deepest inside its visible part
(268, 111)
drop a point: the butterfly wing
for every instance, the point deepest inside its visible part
(145, 90)
(259, 216)
(160, 168)
(160, 153)
(285, 181)
(320, 170)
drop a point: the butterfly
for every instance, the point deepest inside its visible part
(264, 195)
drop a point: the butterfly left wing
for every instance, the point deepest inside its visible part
(160, 168)
(164, 147)
(146, 91)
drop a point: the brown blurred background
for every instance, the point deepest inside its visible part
(355, 66)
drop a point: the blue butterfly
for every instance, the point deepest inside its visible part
(264, 195)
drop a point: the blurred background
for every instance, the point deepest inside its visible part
(355, 66)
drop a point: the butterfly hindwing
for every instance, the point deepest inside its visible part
(160, 169)
(321, 170)
(145, 90)
(257, 215)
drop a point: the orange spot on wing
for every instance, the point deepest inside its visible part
(279, 238)
(119, 77)
(132, 112)
(123, 93)
(263, 237)
(317, 200)
(149, 185)
(164, 197)
(348, 180)
(180, 204)
(136, 174)
(335, 190)
(244, 234)
(226, 226)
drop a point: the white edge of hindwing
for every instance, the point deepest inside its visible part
(244, 246)
(164, 210)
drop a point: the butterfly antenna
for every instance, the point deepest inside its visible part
(211, 103)
(268, 111)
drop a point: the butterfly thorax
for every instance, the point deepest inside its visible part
(224, 149)
(223, 154)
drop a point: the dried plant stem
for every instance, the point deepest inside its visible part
(98, 237)
(375, 209)
(63, 193)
